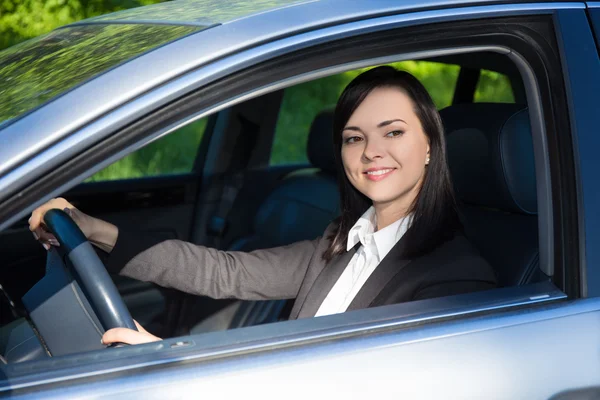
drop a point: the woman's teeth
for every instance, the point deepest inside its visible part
(380, 172)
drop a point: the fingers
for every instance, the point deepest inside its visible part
(129, 336)
(45, 238)
(36, 225)
(139, 327)
(35, 221)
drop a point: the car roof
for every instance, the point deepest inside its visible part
(205, 12)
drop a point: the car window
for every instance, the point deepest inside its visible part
(301, 103)
(493, 87)
(172, 154)
(35, 71)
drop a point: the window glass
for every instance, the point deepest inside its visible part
(493, 87)
(302, 103)
(38, 70)
(171, 154)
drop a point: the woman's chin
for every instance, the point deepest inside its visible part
(388, 198)
(383, 198)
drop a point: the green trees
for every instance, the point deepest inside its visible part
(24, 19)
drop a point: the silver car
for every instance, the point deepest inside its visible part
(194, 120)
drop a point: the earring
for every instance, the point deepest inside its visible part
(427, 161)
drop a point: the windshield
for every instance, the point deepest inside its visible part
(34, 72)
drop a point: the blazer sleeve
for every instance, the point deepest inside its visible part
(275, 273)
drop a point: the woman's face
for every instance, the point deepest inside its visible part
(384, 149)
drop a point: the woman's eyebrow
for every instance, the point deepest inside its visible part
(380, 125)
(386, 123)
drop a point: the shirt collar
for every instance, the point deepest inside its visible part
(363, 227)
(385, 239)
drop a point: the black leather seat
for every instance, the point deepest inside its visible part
(299, 208)
(490, 154)
(305, 201)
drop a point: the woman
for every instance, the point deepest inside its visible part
(398, 238)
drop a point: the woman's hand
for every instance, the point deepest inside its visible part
(129, 336)
(98, 232)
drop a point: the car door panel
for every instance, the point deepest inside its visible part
(379, 353)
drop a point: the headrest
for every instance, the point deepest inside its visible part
(490, 154)
(320, 142)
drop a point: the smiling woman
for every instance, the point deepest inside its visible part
(392, 147)
(401, 224)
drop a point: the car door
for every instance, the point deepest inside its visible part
(531, 341)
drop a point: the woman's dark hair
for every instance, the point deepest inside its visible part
(435, 217)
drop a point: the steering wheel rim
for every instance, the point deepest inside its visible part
(89, 272)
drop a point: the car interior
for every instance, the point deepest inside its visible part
(237, 194)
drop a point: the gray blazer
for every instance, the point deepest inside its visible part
(298, 271)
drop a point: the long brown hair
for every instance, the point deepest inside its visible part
(435, 218)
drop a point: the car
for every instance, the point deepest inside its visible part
(204, 121)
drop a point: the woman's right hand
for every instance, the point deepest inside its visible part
(129, 336)
(98, 232)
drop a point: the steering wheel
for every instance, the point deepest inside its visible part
(89, 271)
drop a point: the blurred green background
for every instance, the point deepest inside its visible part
(24, 19)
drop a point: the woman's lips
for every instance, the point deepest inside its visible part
(378, 174)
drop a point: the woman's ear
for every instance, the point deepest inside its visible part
(427, 157)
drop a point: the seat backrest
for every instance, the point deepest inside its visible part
(305, 201)
(491, 159)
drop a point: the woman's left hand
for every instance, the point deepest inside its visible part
(129, 336)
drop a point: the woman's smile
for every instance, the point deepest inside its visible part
(378, 174)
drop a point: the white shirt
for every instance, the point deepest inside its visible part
(375, 246)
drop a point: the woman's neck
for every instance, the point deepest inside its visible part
(387, 214)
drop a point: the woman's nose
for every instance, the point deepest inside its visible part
(373, 149)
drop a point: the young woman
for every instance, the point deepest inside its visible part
(398, 238)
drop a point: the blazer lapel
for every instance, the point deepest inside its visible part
(387, 268)
(323, 284)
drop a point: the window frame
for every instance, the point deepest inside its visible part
(236, 88)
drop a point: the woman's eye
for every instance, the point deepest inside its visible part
(394, 133)
(352, 139)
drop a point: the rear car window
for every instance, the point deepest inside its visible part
(171, 154)
(35, 71)
(493, 87)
